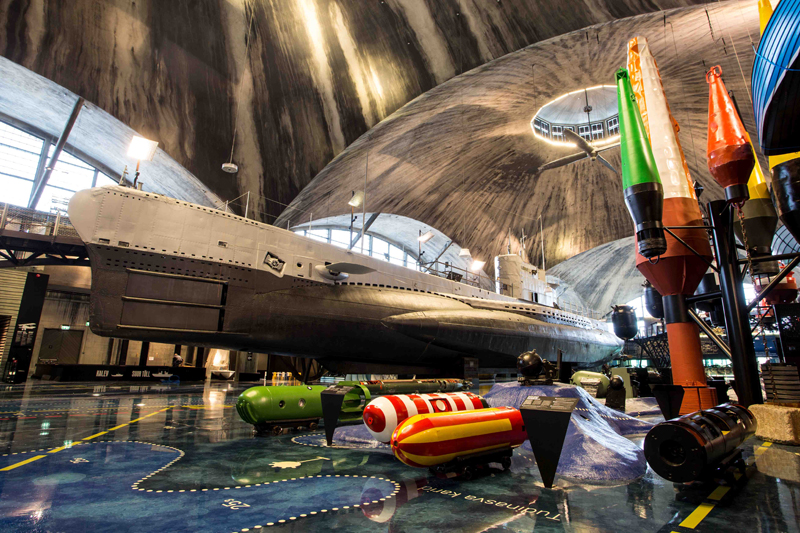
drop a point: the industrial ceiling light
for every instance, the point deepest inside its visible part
(464, 252)
(357, 199)
(426, 237)
(142, 149)
(230, 168)
(477, 265)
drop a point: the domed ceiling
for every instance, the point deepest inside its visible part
(317, 74)
(463, 156)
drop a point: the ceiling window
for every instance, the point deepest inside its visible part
(597, 131)
(613, 126)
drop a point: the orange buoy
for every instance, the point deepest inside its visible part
(433, 439)
(730, 155)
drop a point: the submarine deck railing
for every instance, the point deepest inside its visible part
(482, 281)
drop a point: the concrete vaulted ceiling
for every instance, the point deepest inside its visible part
(319, 73)
(463, 157)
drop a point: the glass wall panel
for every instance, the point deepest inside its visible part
(14, 190)
(396, 255)
(321, 235)
(340, 238)
(380, 249)
(19, 159)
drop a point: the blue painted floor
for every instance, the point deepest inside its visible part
(159, 458)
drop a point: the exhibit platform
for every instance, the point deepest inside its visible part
(148, 457)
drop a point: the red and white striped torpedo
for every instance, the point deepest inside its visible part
(434, 439)
(383, 414)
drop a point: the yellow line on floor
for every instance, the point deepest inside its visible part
(26, 461)
(697, 516)
(718, 493)
(60, 448)
(129, 423)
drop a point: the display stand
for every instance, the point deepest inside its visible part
(669, 398)
(546, 422)
(331, 400)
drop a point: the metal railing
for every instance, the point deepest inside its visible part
(579, 310)
(22, 219)
(457, 274)
(481, 280)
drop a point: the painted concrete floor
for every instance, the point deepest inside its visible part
(146, 458)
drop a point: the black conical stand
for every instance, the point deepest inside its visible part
(546, 422)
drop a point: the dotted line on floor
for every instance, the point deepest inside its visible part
(136, 487)
(318, 445)
(182, 454)
(333, 509)
(40, 449)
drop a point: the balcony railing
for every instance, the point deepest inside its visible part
(22, 219)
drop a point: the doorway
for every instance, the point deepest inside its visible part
(61, 346)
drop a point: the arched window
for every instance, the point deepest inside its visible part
(23, 161)
(373, 246)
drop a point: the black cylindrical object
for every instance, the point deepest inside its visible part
(713, 307)
(786, 188)
(624, 320)
(688, 448)
(645, 202)
(652, 301)
(737, 316)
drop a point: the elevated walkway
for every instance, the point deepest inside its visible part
(29, 238)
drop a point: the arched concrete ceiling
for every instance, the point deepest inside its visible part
(462, 156)
(601, 277)
(319, 74)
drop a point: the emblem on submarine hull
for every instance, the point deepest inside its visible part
(274, 262)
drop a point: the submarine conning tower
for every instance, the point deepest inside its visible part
(518, 279)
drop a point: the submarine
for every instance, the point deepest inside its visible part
(169, 271)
